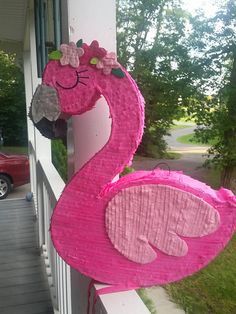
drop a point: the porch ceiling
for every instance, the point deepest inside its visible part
(12, 20)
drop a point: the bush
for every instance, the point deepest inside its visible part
(59, 158)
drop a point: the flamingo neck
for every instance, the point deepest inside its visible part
(127, 114)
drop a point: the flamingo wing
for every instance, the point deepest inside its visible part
(145, 218)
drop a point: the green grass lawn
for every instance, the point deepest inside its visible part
(148, 302)
(179, 126)
(14, 150)
(167, 155)
(212, 290)
(172, 155)
(191, 139)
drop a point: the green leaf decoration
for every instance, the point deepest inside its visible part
(55, 55)
(79, 43)
(118, 72)
(94, 60)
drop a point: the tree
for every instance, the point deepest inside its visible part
(215, 42)
(152, 44)
(12, 101)
(179, 60)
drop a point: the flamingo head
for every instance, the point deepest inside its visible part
(73, 80)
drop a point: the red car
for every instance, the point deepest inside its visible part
(14, 171)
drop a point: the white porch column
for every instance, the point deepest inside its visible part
(88, 133)
(91, 20)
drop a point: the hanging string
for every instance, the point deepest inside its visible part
(95, 297)
(162, 163)
(91, 284)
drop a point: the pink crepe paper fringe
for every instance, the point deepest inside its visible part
(78, 225)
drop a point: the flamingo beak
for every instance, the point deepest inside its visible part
(45, 113)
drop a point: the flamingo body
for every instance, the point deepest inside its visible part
(149, 227)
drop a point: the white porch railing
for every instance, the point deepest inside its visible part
(69, 288)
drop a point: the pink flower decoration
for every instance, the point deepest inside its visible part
(71, 54)
(92, 51)
(108, 63)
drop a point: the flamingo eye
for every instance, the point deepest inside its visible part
(78, 80)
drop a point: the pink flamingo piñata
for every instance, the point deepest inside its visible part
(149, 227)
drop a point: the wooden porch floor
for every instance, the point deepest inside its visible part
(23, 283)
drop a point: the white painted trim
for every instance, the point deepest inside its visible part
(127, 302)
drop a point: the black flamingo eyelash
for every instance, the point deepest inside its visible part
(79, 77)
